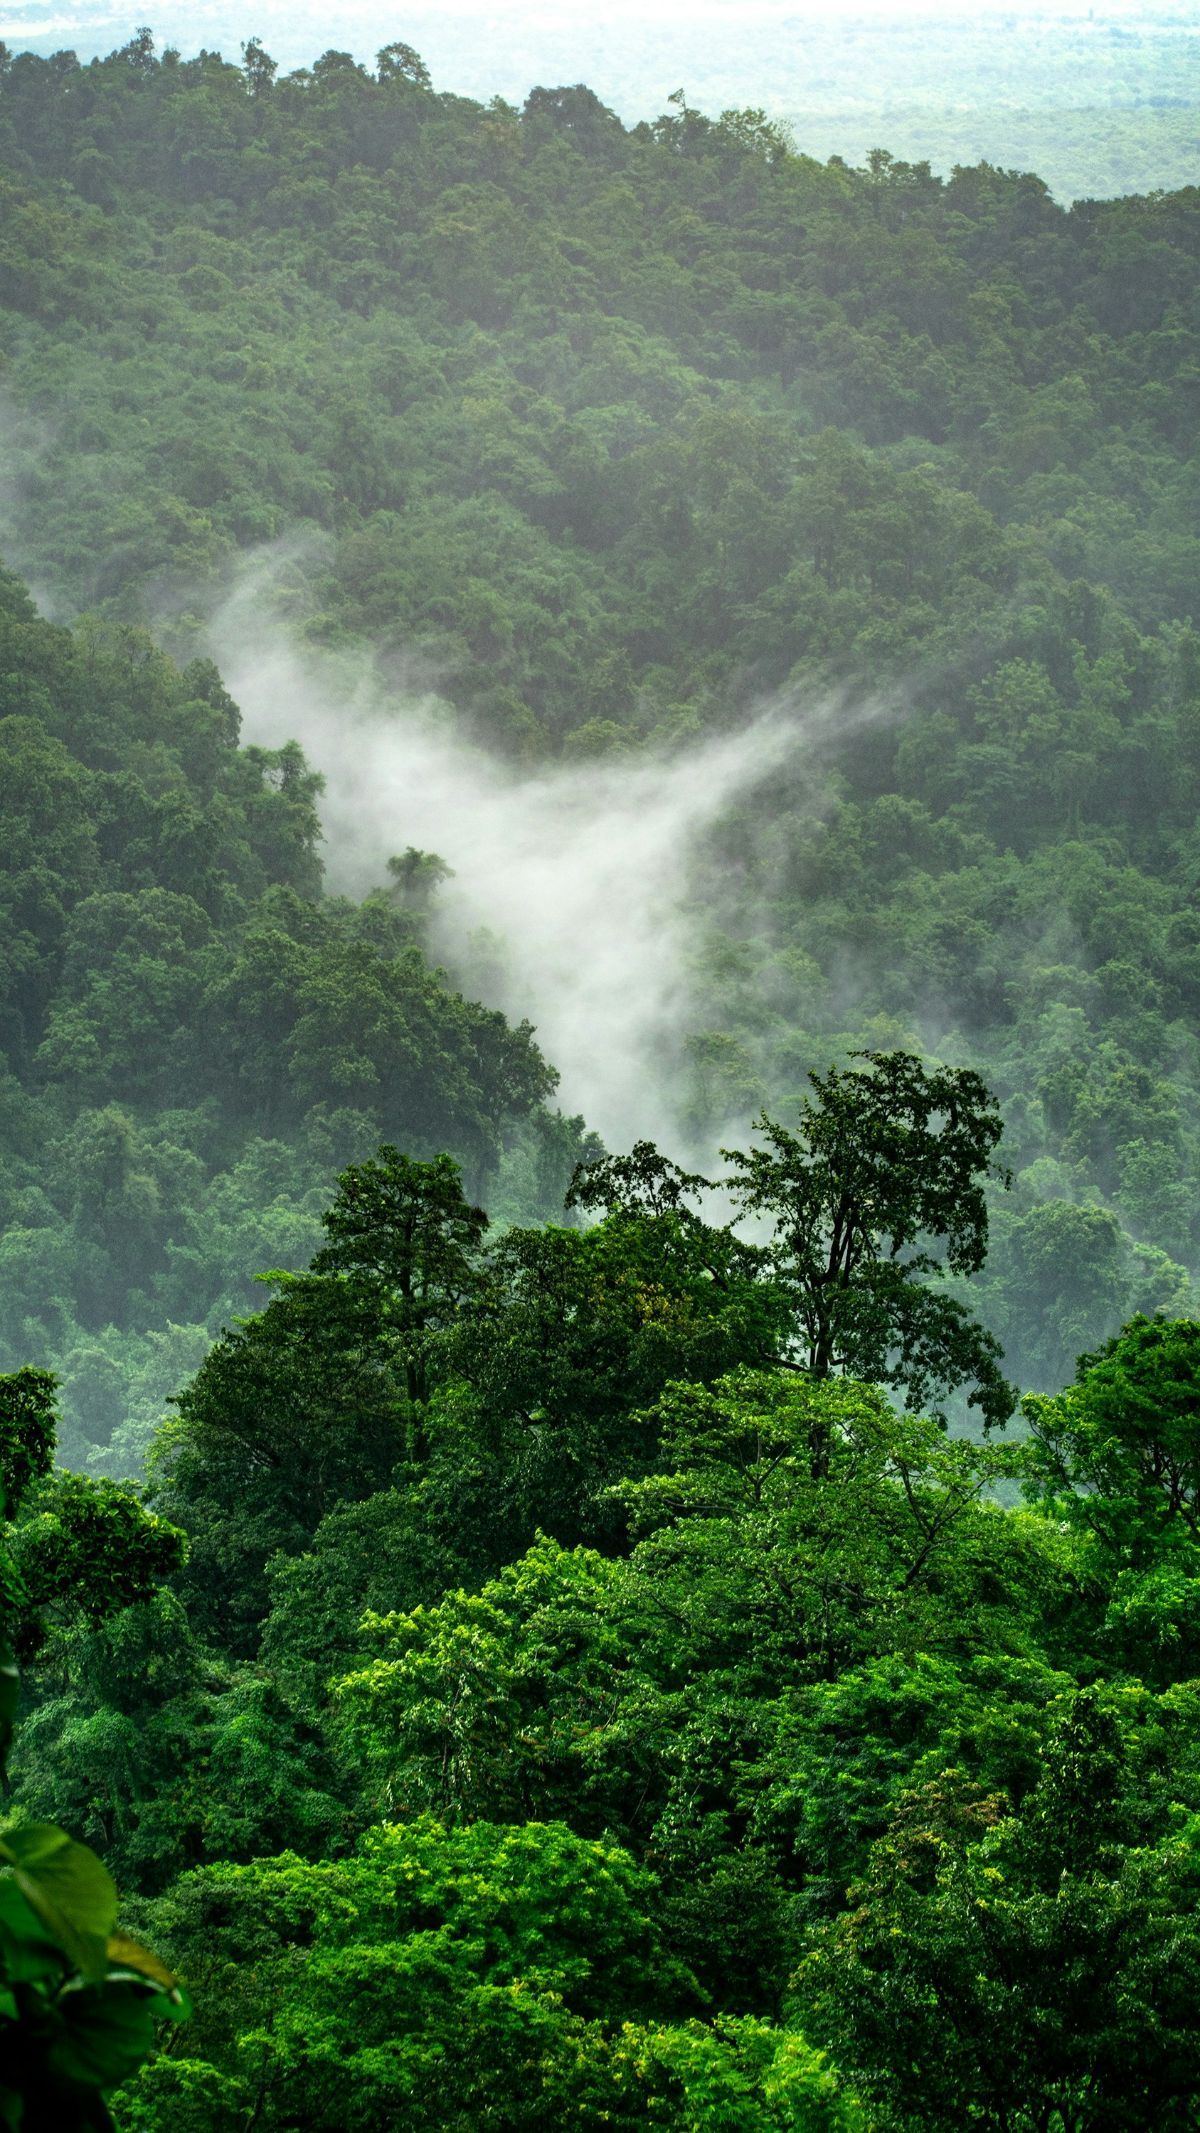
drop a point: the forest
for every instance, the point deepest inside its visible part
(1099, 97)
(540, 1632)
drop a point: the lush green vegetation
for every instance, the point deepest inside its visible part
(578, 1705)
(80, 2002)
(565, 1670)
(613, 432)
(193, 1038)
(1097, 100)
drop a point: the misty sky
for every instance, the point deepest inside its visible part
(33, 22)
(299, 30)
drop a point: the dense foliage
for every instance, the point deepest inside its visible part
(79, 2001)
(193, 1037)
(612, 431)
(567, 1670)
(578, 1705)
(1096, 100)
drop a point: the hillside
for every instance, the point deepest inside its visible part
(1097, 99)
(195, 1037)
(611, 435)
(542, 1637)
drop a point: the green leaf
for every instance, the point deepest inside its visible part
(73, 1894)
(26, 1955)
(133, 1963)
(126, 1954)
(108, 2030)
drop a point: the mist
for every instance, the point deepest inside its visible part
(26, 440)
(573, 900)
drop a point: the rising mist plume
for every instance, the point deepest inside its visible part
(568, 902)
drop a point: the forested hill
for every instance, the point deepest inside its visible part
(616, 432)
(194, 1038)
(589, 372)
(567, 1672)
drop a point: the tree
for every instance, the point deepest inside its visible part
(578, 114)
(84, 1549)
(258, 66)
(161, 1754)
(659, 1695)
(1117, 1457)
(480, 1704)
(292, 1412)
(874, 1200)
(796, 1526)
(406, 1229)
(399, 62)
(73, 1549)
(138, 54)
(28, 1427)
(877, 1197)
(416, 878)
(741, 2074)
(322, 1397)
(572, 1337)
(1119, 1451)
